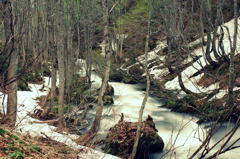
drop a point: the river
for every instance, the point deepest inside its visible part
(179, 131)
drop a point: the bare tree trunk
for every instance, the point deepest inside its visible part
(61, 65)
(21, 19)
(138, 133)
(28, 26)
(120, 53)
(181, 84)
(217, 22)
(206, 18)
(8, 27)
(9, 51)
(99, 108)
(12, 88)
(108, 51)
(34, 33)
(68, 43)
(51, 51)
(69, 66)
(53, 81)
(208, 49)
(232, 54)
(214, 40)
(89, 52)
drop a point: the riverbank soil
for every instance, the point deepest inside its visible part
(13, 145)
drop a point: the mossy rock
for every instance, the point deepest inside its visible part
(109, 90)
(34, 77)
(79, 90)
(108, 100)
(23, 86)
(116, 76)
(149, 143)
(133, 76)
(136, 73)
(120, 139)
(46, 72)
(91, 99)
(129, 80)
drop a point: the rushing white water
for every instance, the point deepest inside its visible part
(178, 130)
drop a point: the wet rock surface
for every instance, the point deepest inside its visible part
(120, 139)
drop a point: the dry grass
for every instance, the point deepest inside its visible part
(52, 149)
(11, 143)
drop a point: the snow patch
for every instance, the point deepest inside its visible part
(190, 83)
(25, 124)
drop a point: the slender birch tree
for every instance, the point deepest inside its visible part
(141, 111)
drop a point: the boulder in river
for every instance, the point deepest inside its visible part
(132, 75)
(120, 139)
(108, 100)
(109, 91)
(116, 75)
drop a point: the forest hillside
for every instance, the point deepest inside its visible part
(134, 79)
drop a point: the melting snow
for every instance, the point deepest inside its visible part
(27, 104)
(190, 83)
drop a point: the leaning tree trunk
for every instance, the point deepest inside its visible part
(182, 86)
(205, 21)
(138, 133)
(99, 109)
(217, 22)
(208, 50)
(9, 51)
(214, 47)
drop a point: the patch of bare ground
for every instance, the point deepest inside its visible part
(220, 74)
(51, 149)
(13, 145)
